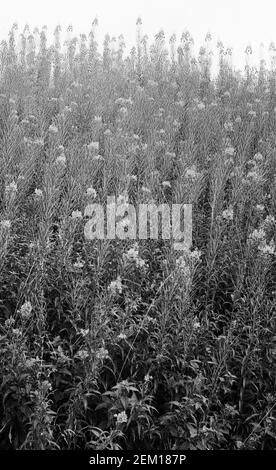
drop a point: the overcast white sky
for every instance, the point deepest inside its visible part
(235, 22)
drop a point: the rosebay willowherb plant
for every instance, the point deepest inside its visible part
(112, 343)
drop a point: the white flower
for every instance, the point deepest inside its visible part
(145, 190)
(82, 354)
(122, 336)
(12, 187)
(67, 109)
(9, 322)
(97, 119)
(38, 192)
(257, 235)
(266, 249)
(132, 255)
(170, 154)
(152, 83)
(94, 146)
(196, 324)
(61, 160)
(84, 332)
(30, 363)
(78, 265)
(91, 192)
(184, 267)
(98, 157)
(120, 100)
(147, 378)
(195, 254)
(38, 142)
(121, 417)
(140, 263)
(254, 175)
(201, 106)
(46, 385)
(192, 173)
(123, 110)
(269, 221)
(17, 332)
(252, 114)
(155, 174)
(166, 184)
(53, 129)
(229, 151)
(259, 207)
(228, 214)
(102, 354)
(76, 215)
(5, 224)
(258, 157)
(61, 356)
(228, 126)
(26, 310)
(116, 286)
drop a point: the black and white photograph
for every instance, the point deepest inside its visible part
(137, 230)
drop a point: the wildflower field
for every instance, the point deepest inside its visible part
(131, 344)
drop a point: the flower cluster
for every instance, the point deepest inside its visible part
(229, 151)
(258, 237)
(191, 173)
(228, 214)
(132, 255)
(61, 160)
(11, 188)
(121, 417)
(38, 192)
(116, 287)
(76, 215)
(93, 146)
(26, 310)
(82, 354)
(91, 192)
(5, 224)
(102, 354)
(53, 129)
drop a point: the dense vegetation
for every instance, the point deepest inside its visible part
(108, 344)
